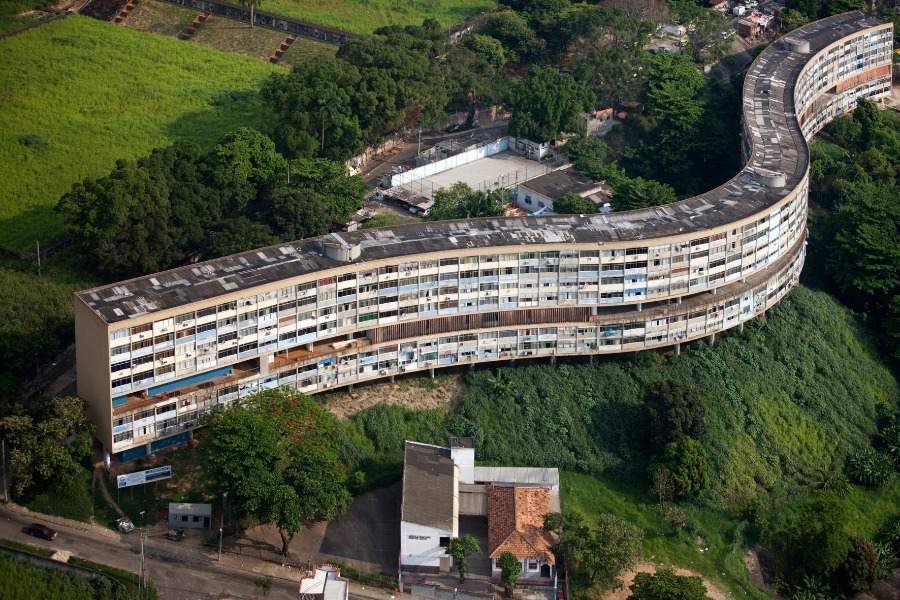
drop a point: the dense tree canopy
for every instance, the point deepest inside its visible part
(276, 457)
(546, 104)
(573, 204)
(47, 443)
(687, 461)
(459, 201)
(857, 180)
(674, 410)
(179, 203)
(595, 555)
(666, 585)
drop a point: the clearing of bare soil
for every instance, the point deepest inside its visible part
(414, 392)
(628, 578)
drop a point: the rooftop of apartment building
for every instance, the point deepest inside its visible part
(779, 155)
(428, 486)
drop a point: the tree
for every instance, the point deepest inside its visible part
(319, 193)
(47, 443)
(264, 583)
(674, 410)
(123, 221)
(595, 557)
(633, 193)
(461, 548)
(814, 540)
(707, 39)
(615, 74)
(275, 454)
(662, 484)
(666, 585)
(615, 547)
(315, 110)
(546, 104)
(573, 204)
(487, 47)
(860, 571)
(792, 19)
(520, 43)
(459, 201)
(593, 157)
(510, 567)
(245, 165)
(687, 461)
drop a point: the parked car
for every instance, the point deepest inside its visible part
(125, 525)
(41, 531)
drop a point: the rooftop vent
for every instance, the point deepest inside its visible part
(795, 45)
(340, 250)
(770, 178)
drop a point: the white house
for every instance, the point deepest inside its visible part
(324, 583)
(537, 195)
(429, 514)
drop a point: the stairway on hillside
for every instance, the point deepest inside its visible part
(193, 27)
(119, 19)
(287, 43)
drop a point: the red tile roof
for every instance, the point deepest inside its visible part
(515, 522)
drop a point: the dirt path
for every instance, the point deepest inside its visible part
(628, 578)
(104, 491)
(419, 392)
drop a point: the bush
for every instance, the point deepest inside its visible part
(872, 468)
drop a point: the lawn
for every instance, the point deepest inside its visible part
(16, 13)
(364, 16)
(78, 94)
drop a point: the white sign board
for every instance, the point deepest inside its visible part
(142, 477)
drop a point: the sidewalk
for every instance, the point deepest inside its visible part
(53, 520)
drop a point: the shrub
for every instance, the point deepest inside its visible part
(871, 468)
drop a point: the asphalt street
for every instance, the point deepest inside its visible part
(178, 570)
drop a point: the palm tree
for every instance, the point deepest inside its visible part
(252, 4)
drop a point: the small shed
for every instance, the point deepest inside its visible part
(183, 515)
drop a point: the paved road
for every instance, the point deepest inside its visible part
(179, 571)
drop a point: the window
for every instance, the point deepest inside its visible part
(532, 565)
(120, 333)
(206, 312)
(445, 542)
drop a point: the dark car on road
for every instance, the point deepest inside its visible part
(41, 531)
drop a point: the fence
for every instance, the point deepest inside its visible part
(477, 153)
(268, 20)
(426, 188)
(439, 593)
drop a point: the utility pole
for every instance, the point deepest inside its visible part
(141, 582)
(38, 256)
(221, 525)
(3, 452)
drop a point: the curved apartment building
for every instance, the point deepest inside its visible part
(156, 353)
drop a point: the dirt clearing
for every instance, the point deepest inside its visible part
(415, 392)
(628, 578)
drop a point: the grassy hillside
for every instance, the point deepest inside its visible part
(77, 95)
(364, 16)
(794, 394)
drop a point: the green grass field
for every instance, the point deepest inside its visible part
(364, 16)
(76, 95)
